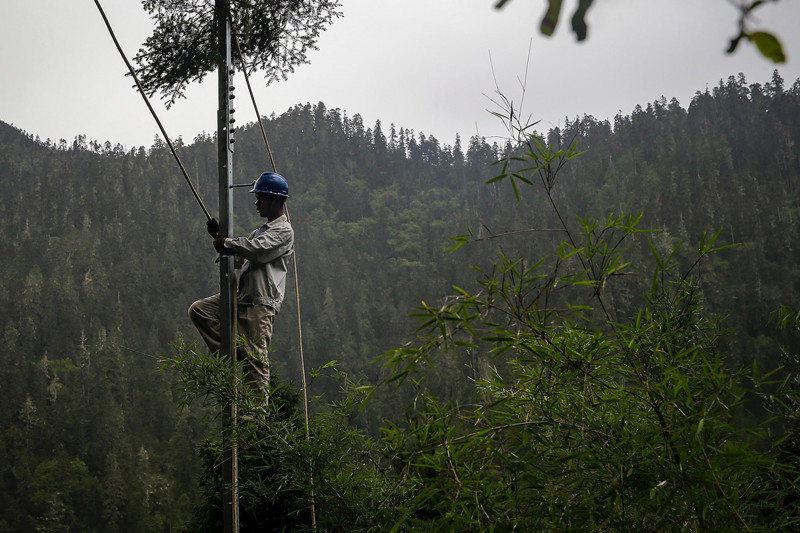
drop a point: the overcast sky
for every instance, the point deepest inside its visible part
(427, 65)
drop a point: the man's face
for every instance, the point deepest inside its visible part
(263, 202)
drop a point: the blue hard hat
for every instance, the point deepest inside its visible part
(271, 183)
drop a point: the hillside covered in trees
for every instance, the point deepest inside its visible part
(106, 249)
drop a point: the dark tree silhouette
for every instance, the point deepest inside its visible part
(274, 37)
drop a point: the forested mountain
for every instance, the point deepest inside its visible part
(106, 249)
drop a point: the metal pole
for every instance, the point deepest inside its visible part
(227, 276)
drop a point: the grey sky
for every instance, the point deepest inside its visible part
(420, 64)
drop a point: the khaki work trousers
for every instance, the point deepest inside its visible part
(254, 331)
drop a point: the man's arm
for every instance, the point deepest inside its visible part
(264, 248)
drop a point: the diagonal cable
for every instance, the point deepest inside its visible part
(152, 111)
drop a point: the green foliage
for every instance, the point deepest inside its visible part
(103, 262)
(284, 471)
(60, 487)
(768, 45)
(86, 304)
(273, 37)
(786, 317)
(585, 419)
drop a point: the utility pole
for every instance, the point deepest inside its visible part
(227, 276)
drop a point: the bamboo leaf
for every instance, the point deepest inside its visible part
(769, 46)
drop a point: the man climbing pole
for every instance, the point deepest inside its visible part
(264, 258)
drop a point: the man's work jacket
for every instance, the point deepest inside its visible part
(266, 255)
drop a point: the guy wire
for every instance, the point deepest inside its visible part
(152, 111)
(294, 265)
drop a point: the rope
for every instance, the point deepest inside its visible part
(274, 169)
(152, 111)
(294, 264)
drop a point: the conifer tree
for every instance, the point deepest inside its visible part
(274, 38)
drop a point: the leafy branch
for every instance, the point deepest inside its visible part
(274, 37)
(767, 43)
